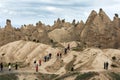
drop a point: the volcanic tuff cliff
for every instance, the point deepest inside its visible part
(97, 31)
(100, 31)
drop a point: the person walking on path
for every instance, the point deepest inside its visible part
(104, 65)
(60, 55)
(65, 51)
(40, 62)
(16, 66)
(45, 58)
(1, 66)
(72, 69)
(50, 55)
(68, 47)
(34, 61)
(9, 66)
(36, 67)
(107, 64)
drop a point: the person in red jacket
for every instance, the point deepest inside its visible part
(36, 67)
(68, 47)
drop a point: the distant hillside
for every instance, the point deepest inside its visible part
(97, 31)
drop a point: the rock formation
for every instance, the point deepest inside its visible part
(97, 31)
(8, 25)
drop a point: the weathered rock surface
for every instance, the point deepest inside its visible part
(97, 31)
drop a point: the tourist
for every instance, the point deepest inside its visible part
(57, 55)
(16, 66)
(72, 69)
(34, 61)
(40, 62)
(68, 47)
(107, 64)
(9, 66)
(65, 51)
(60, 55)
(1, 66)
(45, 58)
(50, 55)
(36, 67)
(104, 65)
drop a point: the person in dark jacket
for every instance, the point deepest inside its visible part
(50, 55)
(68, 47)
(16, 66)
(60, 55)
(65, 51)
(45, 58)
(107, 64)
(1, 66)
(104, 65)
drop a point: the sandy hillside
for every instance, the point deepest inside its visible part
(90, 59)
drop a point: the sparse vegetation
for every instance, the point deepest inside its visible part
(115, 76)
(113, 58)
(77, 49)
(86, 76)
(67, 75)
(8, 77)
(114, 65)
(56, 44)
(46, 76)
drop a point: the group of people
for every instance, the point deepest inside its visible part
(59, 55)
(39, 63)
(66, 49)
(9, 66)
(48, 57)
(106, 64)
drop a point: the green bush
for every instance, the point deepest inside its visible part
(77, 49)
(114, 58)
(67, 75)
(86, 76)
(8, 77)
(113, 65)
(115, 76)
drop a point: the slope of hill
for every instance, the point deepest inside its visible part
(88, 60)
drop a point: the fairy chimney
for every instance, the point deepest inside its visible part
(8, 25)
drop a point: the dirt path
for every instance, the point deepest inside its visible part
(24, 70)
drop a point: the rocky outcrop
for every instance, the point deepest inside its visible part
(29, 32)
(59, 35)
(8, 25)
(36, 33)
(97, 31)
(9, 34)
(65, 34)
